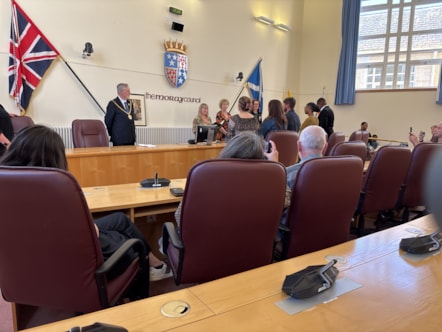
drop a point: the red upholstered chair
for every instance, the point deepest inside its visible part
(50, 256)
(217, 238)
(352, 148)
(89, 133)
(324, 196)
(287, 144)
(365, 136)
(20, 122)
(412, 193)
(355, 136)
(382, 182)
(334, 139)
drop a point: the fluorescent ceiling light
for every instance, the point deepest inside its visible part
(282, 27)
(264, 20)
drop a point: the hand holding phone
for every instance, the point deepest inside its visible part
(267, 147)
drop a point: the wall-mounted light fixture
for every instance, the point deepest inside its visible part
(88, 50)
(239, 77)
(264, 20)
(282, 27)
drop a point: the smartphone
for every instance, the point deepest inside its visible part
(267, 147)
(411, 130)
(177, 192)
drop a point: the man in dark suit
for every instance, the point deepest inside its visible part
(326, 117)
(119, 118)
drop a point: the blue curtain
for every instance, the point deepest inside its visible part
(439, 89)
(345, 87)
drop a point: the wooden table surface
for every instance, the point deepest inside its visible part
(397, 294)
(128, 164)
(133, 199)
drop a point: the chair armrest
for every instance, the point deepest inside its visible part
(136, 244)
(170, 235)
(360, 203)
(102, 271)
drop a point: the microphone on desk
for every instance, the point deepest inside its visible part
(155, 182)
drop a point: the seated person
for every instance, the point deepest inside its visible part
(43, 147)
(244, 146)
(372, 143)
(311, 144)
(436, 135)
(202, 118)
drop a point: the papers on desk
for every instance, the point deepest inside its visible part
(147, 145)
(293, 306)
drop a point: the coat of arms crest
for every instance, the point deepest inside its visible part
(175, 62)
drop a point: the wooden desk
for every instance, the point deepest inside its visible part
(133, 199)
(396, 295)
(128, 164)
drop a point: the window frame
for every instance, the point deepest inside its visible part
(402, 58)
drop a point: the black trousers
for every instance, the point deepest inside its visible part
(114, 230)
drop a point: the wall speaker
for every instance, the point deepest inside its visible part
(177, 26)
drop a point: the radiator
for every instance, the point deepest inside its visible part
(145, 135)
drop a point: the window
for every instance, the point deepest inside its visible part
(400, 44)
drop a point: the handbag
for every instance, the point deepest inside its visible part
(310, 281)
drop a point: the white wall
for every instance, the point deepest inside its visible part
(223, 39)
(128, 37)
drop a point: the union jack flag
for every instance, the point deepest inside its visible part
(30, 55)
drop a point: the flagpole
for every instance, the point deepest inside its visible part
(244, 85)
(81, 82)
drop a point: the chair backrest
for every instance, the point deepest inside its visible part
(324, 196)
(49, 250)
(365, 136)
(20, 122)
(383, 179)
(334, 139)
(352, 148)
(89, 133)
(413, 189)
(355, 136)
(287, 143)
(230, 214)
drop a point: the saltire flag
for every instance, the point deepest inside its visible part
(30, 55)
(254, 85)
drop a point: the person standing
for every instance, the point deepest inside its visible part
(276, 119)
(222, 120)
(255, 110)
(6, 130)
(120, 117)
(326, 116)
(293, 122)
(244, 121)
(311, 119)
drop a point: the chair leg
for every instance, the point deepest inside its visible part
(361, 225)
(405, 215)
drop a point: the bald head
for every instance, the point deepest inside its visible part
(313, 140)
